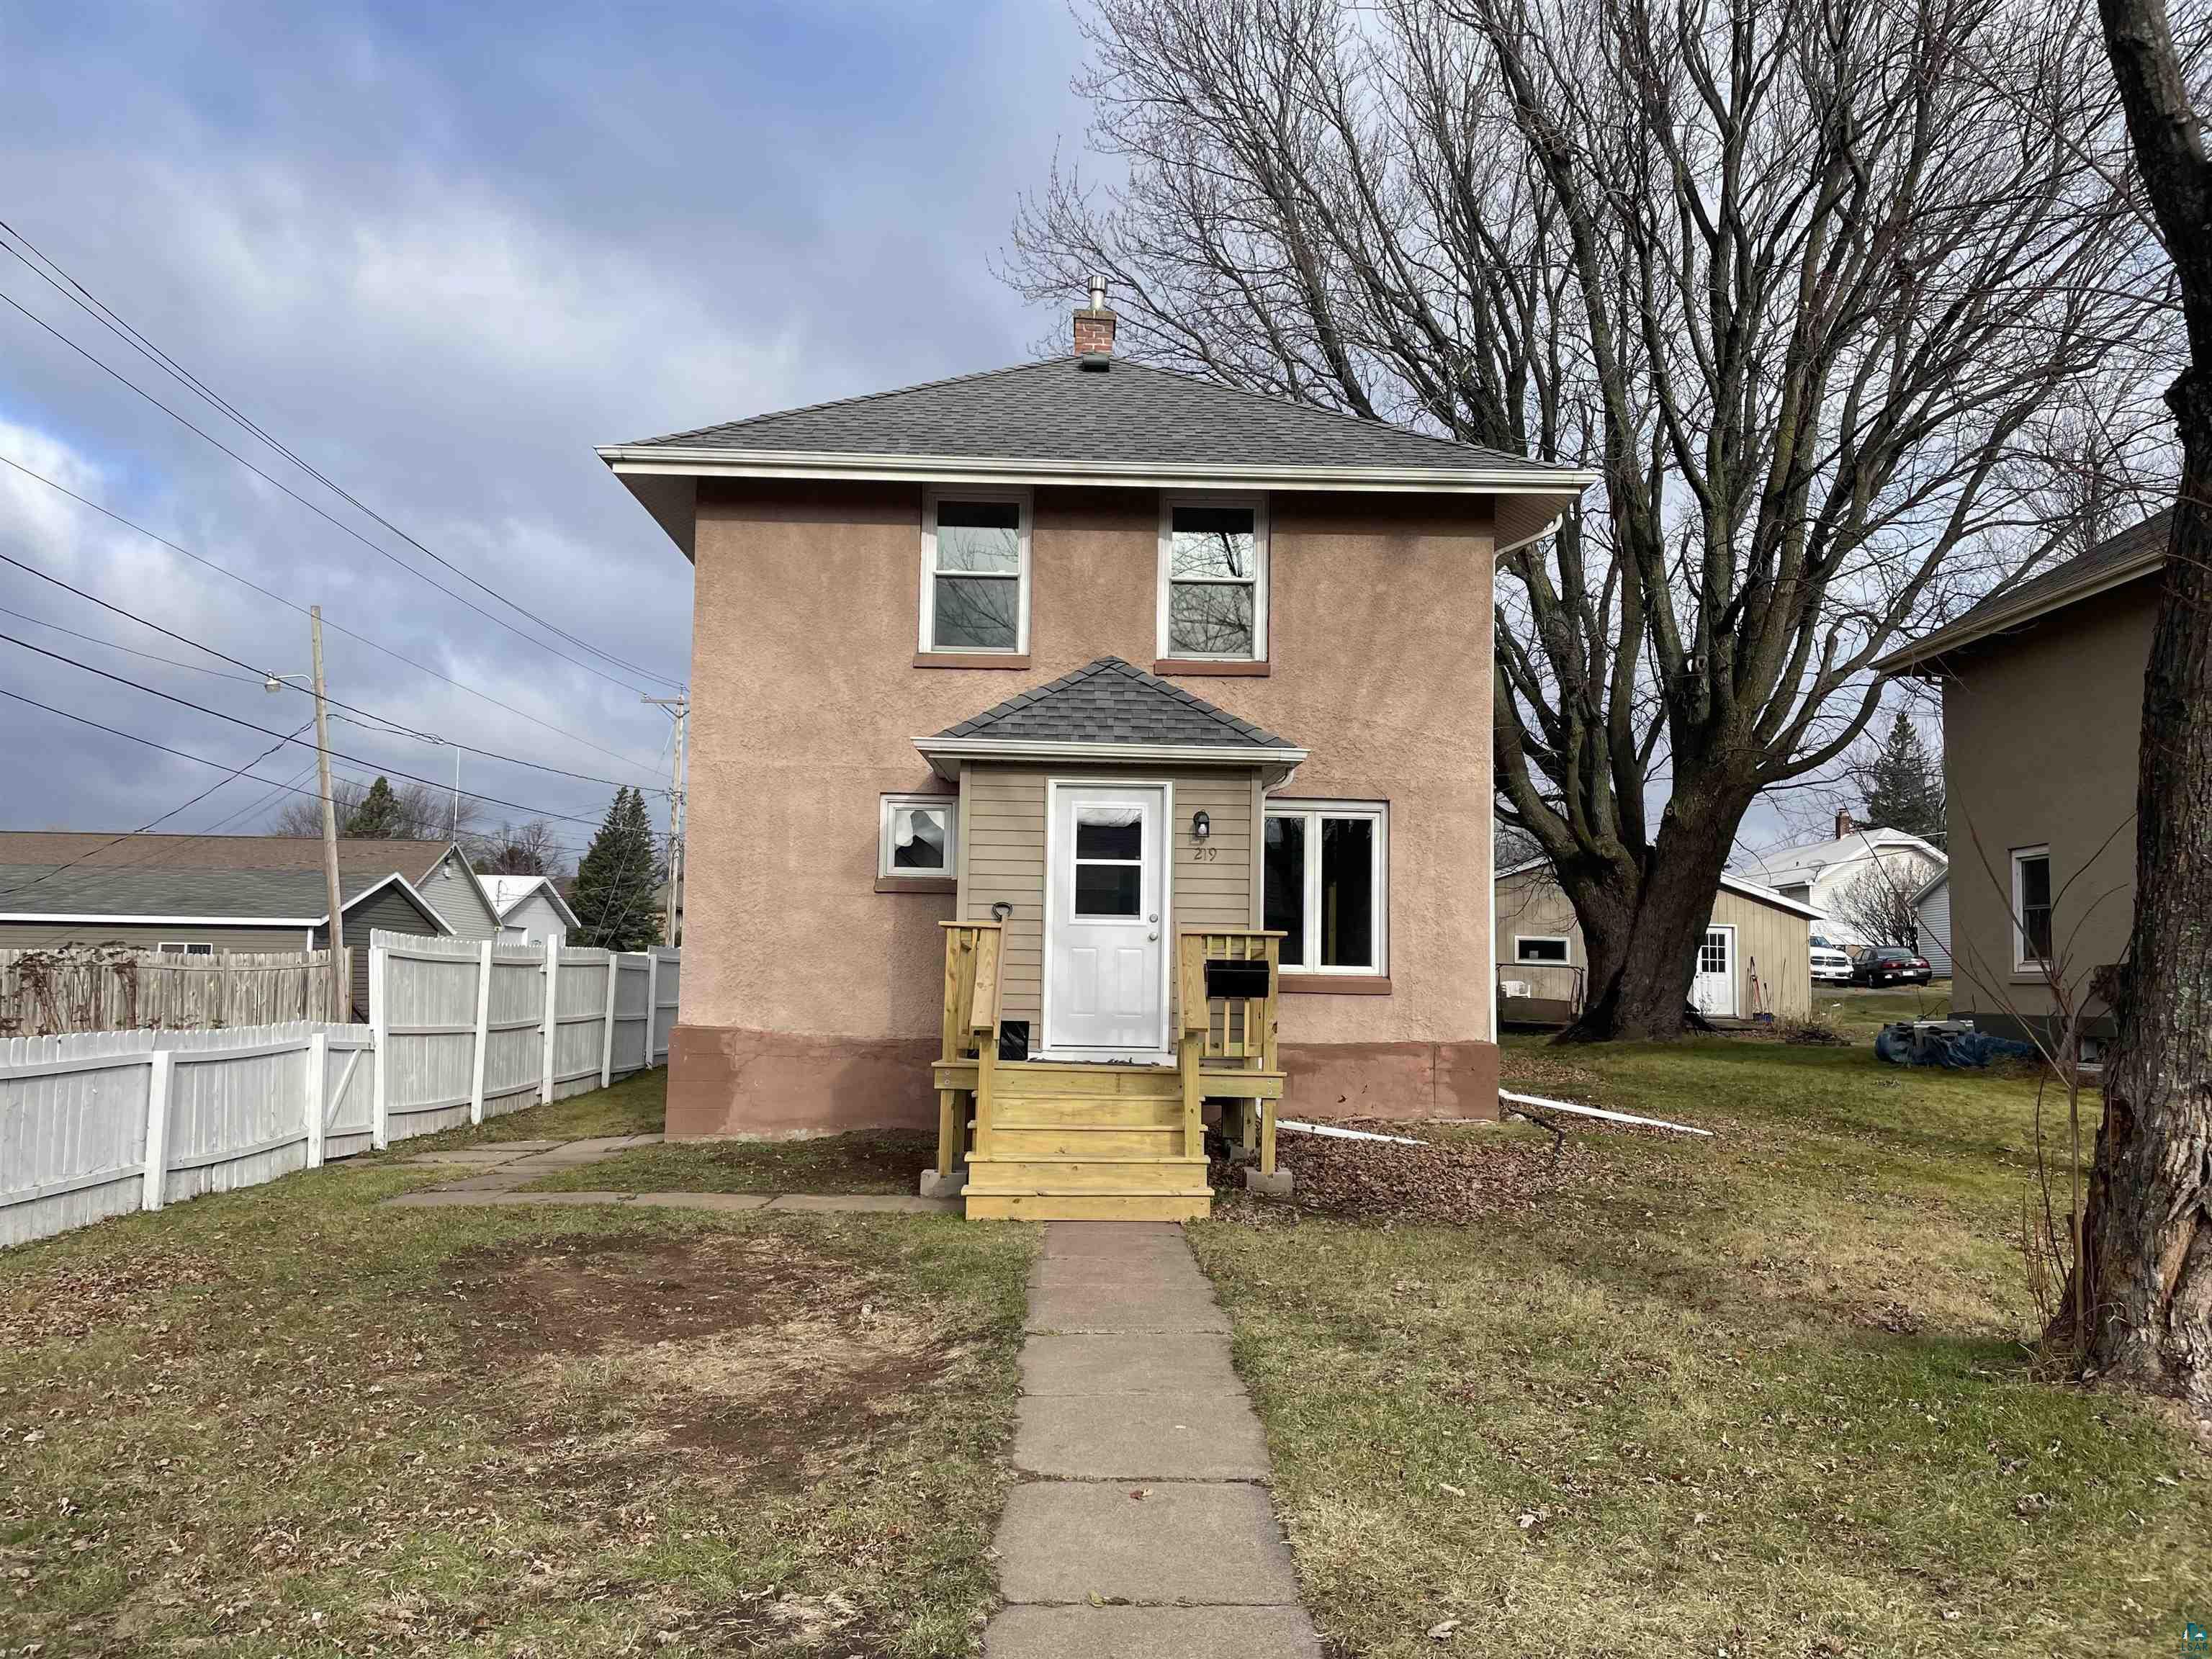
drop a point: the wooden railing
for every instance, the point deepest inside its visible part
(1226, 1049)
(969, 1048)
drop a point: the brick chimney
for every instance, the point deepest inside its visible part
(1094, 324)
(1846, 826)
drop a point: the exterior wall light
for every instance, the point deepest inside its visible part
(1002, 910)
(1201, 825)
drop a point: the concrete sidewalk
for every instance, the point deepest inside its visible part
(1143, 1528)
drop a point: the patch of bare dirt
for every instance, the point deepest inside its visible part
(1450, 1183)
(736, 1356)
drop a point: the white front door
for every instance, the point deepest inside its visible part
(1713, 991)
(1105, 971)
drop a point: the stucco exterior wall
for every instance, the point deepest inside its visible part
(811, 1001)
(2041, 737)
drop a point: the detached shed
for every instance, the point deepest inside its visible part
(1755, 959)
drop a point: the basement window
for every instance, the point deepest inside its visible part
(915, 836)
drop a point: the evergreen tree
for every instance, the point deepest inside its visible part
(614, 893)
(378, 815)
(1904, 784)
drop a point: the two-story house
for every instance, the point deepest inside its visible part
(1067, 669)
(2043, 690)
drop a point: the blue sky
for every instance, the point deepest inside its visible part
(441, 252)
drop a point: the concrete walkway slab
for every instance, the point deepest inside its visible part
(724, 1201)
(880, 1203)
(1068, 1540)
(1128, 1305)
(1088, 1632)
(1139, 1437)
(1179, 1362)
(1146, 1530)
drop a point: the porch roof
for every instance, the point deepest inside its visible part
(1110, 710)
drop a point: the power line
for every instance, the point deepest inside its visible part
(109, 318)
(289, 605)
(218, 713)
(337, 523)
(113, 644)
(262, 675)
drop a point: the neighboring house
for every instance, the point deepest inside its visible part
(1754, 958)
(675, 934)
(452, 889)
(1933, 905)
(531, 909)
(1823, 873)
(2042, 690)
(210, 893)
(1106, 651)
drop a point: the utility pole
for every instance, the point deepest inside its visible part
(341, 981)
(680, 708)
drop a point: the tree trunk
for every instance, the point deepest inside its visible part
(1643, 944)
(2143, 1291)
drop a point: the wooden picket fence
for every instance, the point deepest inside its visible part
(96, 1124)
(109, 989)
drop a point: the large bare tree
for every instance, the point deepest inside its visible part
(2144, 1279)
(1805, 280)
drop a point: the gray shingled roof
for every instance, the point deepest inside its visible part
(1131, 413)
(93, 890)
(1111, 701)
(2130, 544)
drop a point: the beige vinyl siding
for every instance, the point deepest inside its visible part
(1777, 942)
(1002, 858)
(1777, 945)
(48, 936)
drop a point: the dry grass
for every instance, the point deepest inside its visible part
(289, 1421)
(1762, 1395)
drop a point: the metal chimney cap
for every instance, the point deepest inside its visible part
(1098, 290)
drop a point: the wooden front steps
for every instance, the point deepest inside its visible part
(1084, 1143)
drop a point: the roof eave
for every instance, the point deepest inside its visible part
(1970, 630)
(947, 755)
(645, 461)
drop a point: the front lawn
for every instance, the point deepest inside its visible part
(1765, 1394)
(289, 1421)
(867, 1161)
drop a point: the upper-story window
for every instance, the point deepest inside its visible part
(975, 571)
(1214, 577)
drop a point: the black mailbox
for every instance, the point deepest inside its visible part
(1236, 979)
(1013, 1039)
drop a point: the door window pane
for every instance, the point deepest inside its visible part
(1712, 955)
(1109, 833)
(1109, 889)
(1210, 619)
(979, 536)
(1285, 861)
(1348, 892)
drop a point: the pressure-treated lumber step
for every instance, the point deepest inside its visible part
(1086, 1140)
(1014, 1078)
(1096, 1175)
(1088, 1207)
(1080, 1111)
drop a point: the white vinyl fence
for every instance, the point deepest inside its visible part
(100, 1123)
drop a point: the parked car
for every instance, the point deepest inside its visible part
(1890, 964)
(1831, 964)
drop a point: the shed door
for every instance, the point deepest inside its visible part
(1713, 991)
(1105, 993)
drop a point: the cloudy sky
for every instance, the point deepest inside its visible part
(441, 252)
